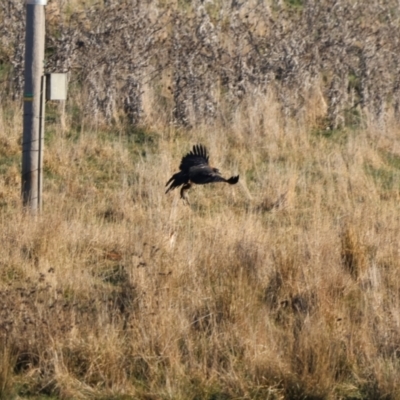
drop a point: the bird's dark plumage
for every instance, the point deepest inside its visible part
(194, 168)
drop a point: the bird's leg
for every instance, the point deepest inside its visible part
(185, 188)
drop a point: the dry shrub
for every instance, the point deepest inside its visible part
(196, 63)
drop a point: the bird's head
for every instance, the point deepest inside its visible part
(216, 170)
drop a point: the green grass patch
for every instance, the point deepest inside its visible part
(393, 160)
(6, 161)
(324, 131)
(385, 178)
(295, 3)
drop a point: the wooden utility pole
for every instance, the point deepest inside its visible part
(34, 92)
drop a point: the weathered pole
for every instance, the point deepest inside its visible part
(33, 103)
(41, 139)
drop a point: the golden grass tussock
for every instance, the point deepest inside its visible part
(283, 286)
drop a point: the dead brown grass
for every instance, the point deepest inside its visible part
(119, 290)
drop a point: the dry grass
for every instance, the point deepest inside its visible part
(284, 286)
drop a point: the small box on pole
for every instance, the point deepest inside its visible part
(56, 86)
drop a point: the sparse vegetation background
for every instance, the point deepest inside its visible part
(285, 286)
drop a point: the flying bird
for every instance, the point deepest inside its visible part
(195, 168)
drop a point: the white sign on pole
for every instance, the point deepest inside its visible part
(56, 87)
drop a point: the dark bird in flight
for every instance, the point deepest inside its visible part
(195, 168)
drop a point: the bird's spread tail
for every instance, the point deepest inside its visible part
(232, 180)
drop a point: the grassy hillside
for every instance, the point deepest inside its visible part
(284, 286)
(120, 291)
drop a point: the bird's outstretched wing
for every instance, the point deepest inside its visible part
(197, 157)
(210, 176)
